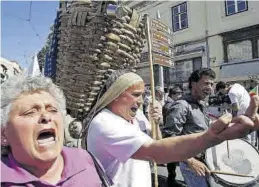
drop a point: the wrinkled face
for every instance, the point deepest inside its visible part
(203, 87)
(127, 104)
(35, 128)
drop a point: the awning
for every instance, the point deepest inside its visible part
(238, 71)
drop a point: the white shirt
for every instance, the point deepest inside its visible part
(239, 95)
(113, 140)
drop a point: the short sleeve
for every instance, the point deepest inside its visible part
(233, 97)
(118, 137)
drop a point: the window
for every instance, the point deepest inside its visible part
(180, 18)
(241, 44)
(183, 69)
(235, 6)
(4, 68)
(197, 63)
(240, 51)
(15, 71)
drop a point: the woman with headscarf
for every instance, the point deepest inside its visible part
(32, 135)
(118, 134)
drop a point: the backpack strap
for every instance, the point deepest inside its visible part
(106, 182)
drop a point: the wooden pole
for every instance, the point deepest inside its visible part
(232, 174)
(227, 141)
(225, 173)
(228, 149)
(152, 85)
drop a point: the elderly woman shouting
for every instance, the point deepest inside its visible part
(118, 134)
(32, 113)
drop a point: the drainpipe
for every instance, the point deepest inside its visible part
(207, 36)
(207, 49)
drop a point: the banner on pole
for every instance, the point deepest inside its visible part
(158, 25)
(162, 60)
(160, 39)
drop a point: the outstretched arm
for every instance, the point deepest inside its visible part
(181, 147)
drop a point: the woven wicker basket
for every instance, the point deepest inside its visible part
(95, 38)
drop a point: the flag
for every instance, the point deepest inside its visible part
(254, 91)
(34, 69)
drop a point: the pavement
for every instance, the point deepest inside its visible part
(162, 170)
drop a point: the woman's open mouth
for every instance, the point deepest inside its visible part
(46, 137)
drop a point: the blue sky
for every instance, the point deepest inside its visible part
(18, 39)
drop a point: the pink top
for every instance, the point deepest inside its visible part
(79, 170)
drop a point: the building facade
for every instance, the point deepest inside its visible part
(223, 35)
(51, 56)
(9, 68)
(233, 35)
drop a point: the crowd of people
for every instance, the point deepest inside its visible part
(187, 114)
(118, 139)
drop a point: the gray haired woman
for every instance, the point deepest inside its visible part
(32, 134)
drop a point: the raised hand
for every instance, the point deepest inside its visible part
(252, 111)
(226, 128)
(155, 112)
